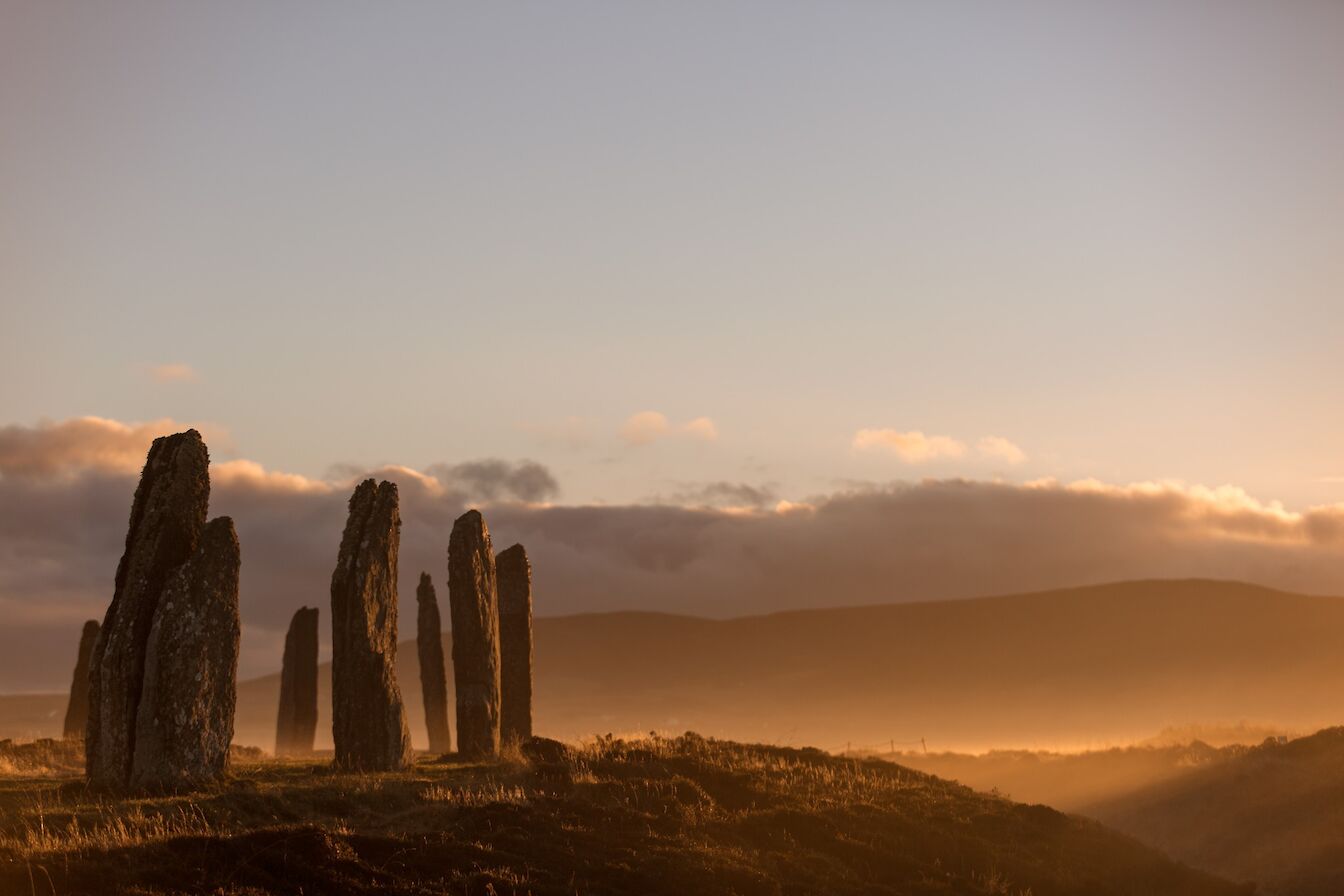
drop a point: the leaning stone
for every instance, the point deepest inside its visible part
(433, 678)
(368, 718)
(296, 719)
(77, 713)
(167, 516)
(474, 607)
(514, 575)
(185, 719)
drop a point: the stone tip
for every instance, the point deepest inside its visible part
(469, 525)
(372, 492)
(513, 551)
(187, 435)
(425, 590)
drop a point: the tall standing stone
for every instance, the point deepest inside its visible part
(167, 517)
(433, 678)
(77, 713)
(296, 720)
(514, 577)
(368, 720)
(474, 607)
(184, 722)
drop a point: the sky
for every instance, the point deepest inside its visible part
(734, 255)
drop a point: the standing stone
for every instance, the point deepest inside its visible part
(514, 576)
(185, 719)
(474, 607)
(296, 722)
(368, 720)
(167, 517)
(77, 713)
(433, 680)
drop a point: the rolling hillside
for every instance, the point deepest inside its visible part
(655, 815)
(1061, 669)
(1273, 814)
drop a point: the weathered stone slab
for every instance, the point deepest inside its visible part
(433, 677)
(184, 722)
(167, 517)
(368, 717)
(296, 718)
(474, 606)
(514, 581)
(77, 712)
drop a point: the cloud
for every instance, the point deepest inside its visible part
(912, 447)
(246, 474)
(173, 373)
(83, 443)
(491, 480)
(701, 428)
(723, 494)
(999, 448)
(738, 550)
(645, 428)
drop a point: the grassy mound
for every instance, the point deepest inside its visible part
(683, 815)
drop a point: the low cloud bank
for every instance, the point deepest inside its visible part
(62, 526)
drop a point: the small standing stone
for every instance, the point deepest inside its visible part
(167, 517)
(296, 721)
(514, 574)
(433, 678)
(77, 713)
(474, 606)
(368, 718)
(184, 723)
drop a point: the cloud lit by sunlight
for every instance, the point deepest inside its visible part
(173, 373)
(85, 443)
(701, 428)
(913, 447)
(999, 448)
(647, 427)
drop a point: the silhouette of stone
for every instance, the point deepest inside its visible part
(368, 718)
(433, 680)
(77, 713)
(296, 720)
(514, 581)
(184, 722)
(474, 607)
(167, 517)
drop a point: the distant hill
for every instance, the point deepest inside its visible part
(1273, 814)
(655, 816)
(1070, 668)
(1066, 781)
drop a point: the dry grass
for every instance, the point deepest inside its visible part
(40, 758)
(654, 815)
